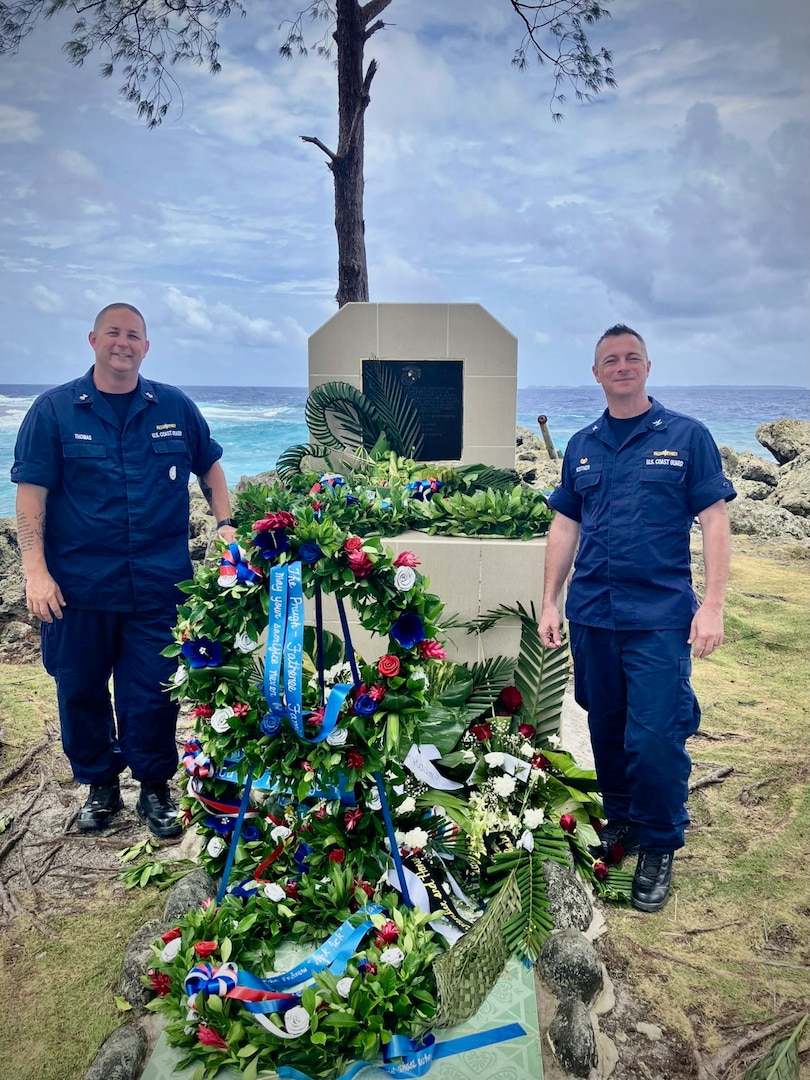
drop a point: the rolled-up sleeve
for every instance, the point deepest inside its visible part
(708, 483)
(38, 450)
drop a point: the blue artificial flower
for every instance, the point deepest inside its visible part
(221, 825)
(300, 857)
(251, 833)
(352, 499)
(202, 652)
(270, 724)
(408, 630)
(365, 705)
(271, 542)
(333, 479)
(385, 504)
(309, 552)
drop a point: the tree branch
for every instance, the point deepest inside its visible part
(317, 142)
(362, 103)
(371, 10)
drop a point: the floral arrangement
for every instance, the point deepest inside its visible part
(377, 803)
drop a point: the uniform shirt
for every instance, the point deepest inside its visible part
(116, 522)
(636, 502)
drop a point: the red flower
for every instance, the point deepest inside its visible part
(241, 710)
(205, 948)
(510, 699)
(316, 487)
(600, 871)
(388, 665)
(352, 543)
(208, 1037)
(366, 886)
(482, 732)
(387, 934)
(204, 712)
(280, 520)
(360, 564)
(431, 650)
(186, 818)
(617, 853)
(406, 558)
(316, 716)
(355, 760)
(527, 731)
(352, 819)
(568, 823)
(160, 982)
(365, 967)
(337, 855)
(291, 889)
(376, 692)
(540, 761)
(597, 823)
(320, 813)
(170, 935)
(305, 765)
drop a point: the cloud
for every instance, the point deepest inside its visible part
(194, 318)
(45, 300)
(18, 125)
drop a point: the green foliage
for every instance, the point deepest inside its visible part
(521, 514)
(782, 1060)
(529, 927)
(400, 419)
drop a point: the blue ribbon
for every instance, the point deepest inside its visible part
(237, 832)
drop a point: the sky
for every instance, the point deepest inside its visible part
(677, 203)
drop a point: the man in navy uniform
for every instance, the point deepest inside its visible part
(632, 484)
(102, 465)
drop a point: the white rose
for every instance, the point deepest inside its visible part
(494, 760)
(221, 720)
(280, 832)
(394, 957)
(215, 846)
(526, 841)
(404, 578)
(297, 1020)
(170, 950)
(180, 676)
(274, 892)
(503, 786)
(373, 801)
(553, 740)
(533, 819)
(337, 737)
(344, 986)
(416, 838)
(407, 806)
(527, 750)
(244, 643)
(226, 582)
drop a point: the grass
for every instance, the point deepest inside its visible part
(730, 949)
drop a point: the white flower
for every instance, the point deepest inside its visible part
(280, 832)
(407, 806)
(553, 740)
(344, 986)
(494, 759)
(244, 643)
(221, 719)
(526, 841)
(503, 786)
(419, 675)
(394, 957)
(274, 892)
(415, 838)
(468, 757)
(296, 1020)
(337, 737)
(404, 578)
(373, 801)
(533, 819)
(527, 750)
(226, 581)
(170, 950)
(215, 846)
(180, 676)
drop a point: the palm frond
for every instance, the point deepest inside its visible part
(782, 1060)
(338, 415)
(481, 477)
(289, 463)
(527, 929)
(489, 677)
(400, 418)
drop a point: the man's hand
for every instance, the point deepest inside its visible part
(550, 628)
(706, 631)
(43, 596)
(227, 533)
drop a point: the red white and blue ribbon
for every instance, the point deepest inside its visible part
(234, 569)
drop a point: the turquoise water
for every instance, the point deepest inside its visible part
(256, 424)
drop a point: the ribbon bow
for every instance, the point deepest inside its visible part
(424, 489)
(213, 982)
(195, 761)
(234, 569)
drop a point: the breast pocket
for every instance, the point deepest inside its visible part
(664, 490)
(86, 468)
(172, 462)
(588, 485)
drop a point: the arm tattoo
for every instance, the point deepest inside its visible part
(30, 531)
(208, 494)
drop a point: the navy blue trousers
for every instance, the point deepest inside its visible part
(641, 709)
(82, 651)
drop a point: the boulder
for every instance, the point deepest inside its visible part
(792, 493)
(785, 438)
(569, 902)
(121, 1057)
(138, 959)
(572, 1037)
(188, 893)
(269, 477)
(766, 522)
(12, 593)
(760, 470)
(730, 460)
(569, 966)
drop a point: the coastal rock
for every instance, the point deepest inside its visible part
(138, 958)
(573, 1039)
(569, 966)
(270, 477)
(569, 903)
(188, 893)
(12, 594)
(532, 462)
(792, 493)
(766, 522)
(121, 1056)
(786, 438)
(757, 469)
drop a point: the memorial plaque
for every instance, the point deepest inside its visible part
(436, 390)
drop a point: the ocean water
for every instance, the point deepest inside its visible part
(256, 424)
